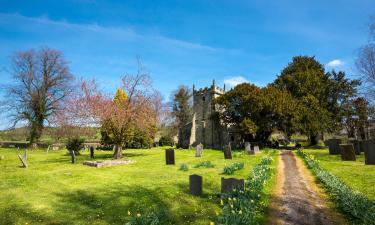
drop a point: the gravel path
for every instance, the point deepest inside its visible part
(296, 202)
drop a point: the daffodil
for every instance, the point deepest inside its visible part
(221, 202)
(212, 223)
(138, 215)
(129, 213)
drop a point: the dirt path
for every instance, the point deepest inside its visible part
(297, 199)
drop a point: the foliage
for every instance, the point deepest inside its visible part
(184, 167)
(153, 217)
(245, 206)
(75, 144)
(257, 111)
(166, 141)
(41, 83)
(354, 204)
(181, 109)
(205, 164)
(228, 170)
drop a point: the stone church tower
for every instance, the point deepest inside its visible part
(202, 129)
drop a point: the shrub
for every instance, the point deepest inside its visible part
(166, 141)
(246, 206)
(75, 144)
(355, 205)
(184, 167)
(205, 164)
(232, 167)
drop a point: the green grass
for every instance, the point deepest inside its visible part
(54, 191)
(356, 175)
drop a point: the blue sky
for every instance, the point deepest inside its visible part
(186, 42)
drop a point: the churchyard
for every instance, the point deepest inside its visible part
(52, 190)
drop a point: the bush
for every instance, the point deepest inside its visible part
(166, 141)
(357, 206)
(184, 167)
(205, 164)
(233, 167)
(75, 144)
(246, 206)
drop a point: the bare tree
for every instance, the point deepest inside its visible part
(41, 81)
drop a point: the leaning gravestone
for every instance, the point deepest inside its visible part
(229, 184)
(199, 150)
(91, 152)
(334, 146)
(23, 159)
(347, 152)
(195, 184)
(369, 146)
(169, 156)
(227, 152)
(356, 146)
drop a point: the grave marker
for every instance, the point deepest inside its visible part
(91, 152)
(334, 146)
(229, 184)
(369, 146)
(23, 159)
(169, 156)
(195, 184)
(199, 150)
(356, 146)
(347, 152)
(227, 152)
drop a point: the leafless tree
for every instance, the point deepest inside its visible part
(41, 82)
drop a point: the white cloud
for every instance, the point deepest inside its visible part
(234, 81)
(335, 62)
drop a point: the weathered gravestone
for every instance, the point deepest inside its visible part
(195, 184)
(347, 152)
(199, 150)
(227, 152)
(256, 148)
(73, 155)
(369, 147)
(229, 184)
(356, 146)
(91, 152)
(362, 145)
(169, 156)
(247, 147)
(334, 146)
(23, 159)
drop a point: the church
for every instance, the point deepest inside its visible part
(203, 129)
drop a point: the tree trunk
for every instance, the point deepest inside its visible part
(117, 154)
(313, 139)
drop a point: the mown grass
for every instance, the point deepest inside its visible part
(356, 175)
(54, 191)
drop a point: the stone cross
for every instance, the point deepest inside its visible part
(227, 152)
(169, 156)
(369, 147)
(347, 152)
(229, 184)
(23, 159)
(333, 146)
(195, 184)
(199, 150)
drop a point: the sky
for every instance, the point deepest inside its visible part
(186, 42)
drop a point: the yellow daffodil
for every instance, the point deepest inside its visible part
(138, 215)
(212, 223)
(221, 202)
(129, 213)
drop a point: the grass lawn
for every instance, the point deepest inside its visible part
(54, 191)
(357, 175)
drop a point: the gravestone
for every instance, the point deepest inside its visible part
(369, 146)
(55, 148)
(23, 159)
(256, 148)
(199, 150)
(229, 184)
(334, 146)
(73, 155)
(347, 152)
(227, 152)
(247, 146)
(91, 152)
(195, 184)
(169, 156)
(356, 146)
(362, 145)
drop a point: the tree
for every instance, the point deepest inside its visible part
(41, 82)
(321, 96)
(257, 111)
(181, 109)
